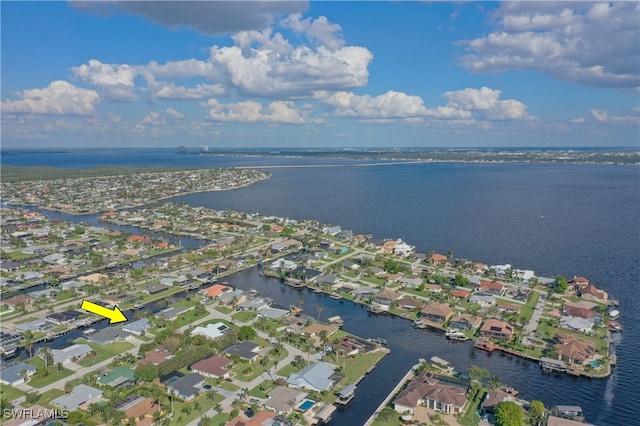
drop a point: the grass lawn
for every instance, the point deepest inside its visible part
(224, 309)
(104, 352)
(373, 280)
(355, 368)
(470, 418)
(19, 255)
(262, 389)
(388, 417)
(66, 295)
(48, 396)
(253, 371)
(190, 316)
(181, 418)
(9, 393)
(352, 273)
(244, 316)
(527, 310)
(38, 382)
(287, 370)
(552, 331)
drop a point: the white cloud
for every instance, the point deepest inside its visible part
(175, 114)
(570, 41)
(116, 81)
(153, 119)
(208, 17)
(579, 120)
(277, 112)
(319, 30)
(60, 97)
(171, 91)
(603, 116)
(473, 99)
(388, 105)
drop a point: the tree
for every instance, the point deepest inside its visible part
(478, 374)
(536, 413)
(32, 397)
(47, 357)
(68, 387)
(494, 382)
(28, 342)
(561, 284)
(146, 371)
(319, 309)
(508, 413)
(246, 333)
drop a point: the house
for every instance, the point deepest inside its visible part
(20, 299)
(71, 284)
(211, 331)
(465, 322)
(578, 283)
(582, 325)
(508, 307)
(426, 390)
(574, 351)
(36, 415)
(70, 353)
(245, 350)
(15, 374)
(140, 408)
(327, 280)
(109, 335)
(171, 314)
(315, 330)
(583, 309)
(9, 266)
(283, 400)
(411, 282)
(460, 293)
(137, 327)
(304, 273)
(436, 312)
(351, 346)
(386, 297)
(64, 317)
(95, 278)
(494, 397)
(186, 387)
(560, 421)
(117, 378)
(80, 395)
(216, 290)
(283, 264)
(273, 312)
(491, 288)
(37, 325)
(364, 291)
(214, 366)
(436, 259)
(317, 377)
(234, 297)
(496, 329)
(254, 304)
(157, 355)
(261, 418)
(409, 304)
(403, 249)
(590, 292)
(155, 288)
(347, 264)
(55, 258)
(482, 299)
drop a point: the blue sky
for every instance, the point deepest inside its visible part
(316, 74)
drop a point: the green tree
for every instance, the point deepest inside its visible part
(147, 371)
(319, 309)
(246, 333)
(536, 413)
(508, 413)
(68, 387)
(28, 342)
(478, 374)
(561, 284)
(32, 397)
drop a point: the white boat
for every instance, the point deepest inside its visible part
(455, 335)
(614, 314)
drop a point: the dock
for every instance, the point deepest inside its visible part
(550, 365)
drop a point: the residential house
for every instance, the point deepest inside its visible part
(409, 304)
(94, 278)
(426, 390)
(117, 378)
(583, 309)
(436, 259)
(15, 374)
(491, 288)
(495, 397)
(141, 409)
(186, 387)
(214, 366)
(283, 400)
(578, 283)
(81, 395)
(464, 322)
(574, 351)
(364, 291)
(157, 355)
(496, 329)
(216, 290)
(590, 292)
(460, 293)
(109, 335)
(436, 312)
(411, 282)
(245, 350)
(508, 307)
(317, 377)
(327, 280)
(137, 327)
(582, 325)
(171, 314)
(64, 317)
(211, 331)
(71, 353)
(386, 297)
(482, 299)
(37, 325)
(155, 288)
(560, 421)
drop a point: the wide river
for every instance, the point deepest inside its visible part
(554, 219)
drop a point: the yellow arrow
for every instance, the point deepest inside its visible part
(114, 315)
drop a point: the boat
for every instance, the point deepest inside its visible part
(335, 320)
(335, 296)
(378, 341)
(614, 326)
(456, 335)
(137, 306)
(89, 330)
(614, 314)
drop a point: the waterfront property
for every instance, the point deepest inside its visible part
(79, 398)
(426, 390)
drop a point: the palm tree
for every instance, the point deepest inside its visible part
(319, 309)
(28, 342)
(45, 354)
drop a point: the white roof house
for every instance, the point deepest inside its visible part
(66, 355)
(211, 331)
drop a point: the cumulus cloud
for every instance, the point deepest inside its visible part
(569, 41)
(208, 17)
(116, 81)
(60, 97)
(602, 116)
(171, 91)
(318, 30)
(410, 108)
(175, 114)
(578, 120)
(280, 112)
(388, 105)
(268, 65)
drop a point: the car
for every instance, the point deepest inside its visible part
(228, 379)
(254, 401)
(206, 387)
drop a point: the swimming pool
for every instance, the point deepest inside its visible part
(306, 405)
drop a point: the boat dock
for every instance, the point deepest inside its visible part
(550, 365)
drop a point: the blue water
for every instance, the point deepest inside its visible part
(554, 219)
